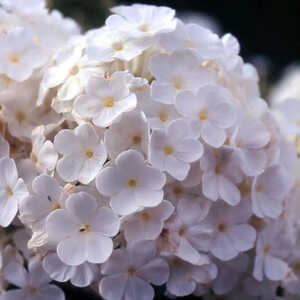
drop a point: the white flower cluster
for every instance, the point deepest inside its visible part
(136, 155)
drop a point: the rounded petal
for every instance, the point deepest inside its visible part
(213, 135)
(98, 248)
(113, 287)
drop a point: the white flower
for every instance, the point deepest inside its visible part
(148, 223)
(12, 191)
(43, 155)
(131, 183)
(287, 114)
(19, 55)
(80, 276)
(210, 111)
(142, 20)
(184, 236)
(268, 192)
(229, 274)
(205, 43)
(159, 115)
(172, 150)
(48, 196)
(230, 232)
(83, 230)
(106, 99)
(130, 271)
(186, 74)
(32, 284)
(131, 132)
(184, 277)
(272, 248)
(221, 174)
(248, 140)
(83, 153)
(105, 45)
(69, 72)
(30, 8)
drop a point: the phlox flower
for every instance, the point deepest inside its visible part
(131, 183)
(82, 230)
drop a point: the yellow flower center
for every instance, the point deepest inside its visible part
(20, 116)
(177, 83)
(145, 216)
(203, 115)
(74, 71)
(9, 191)
(14, 58)
(55, 206)
(118, 46)
(163, 116)
(132, 183)
(188, 44)
(222, 227)
(89, 153)
(108, 102)
(131, 271)
(84, 228)
(168, 150)
(136, 140)
(144, 28)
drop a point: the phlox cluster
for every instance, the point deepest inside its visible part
(140, 154)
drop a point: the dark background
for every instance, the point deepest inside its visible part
(268, 28)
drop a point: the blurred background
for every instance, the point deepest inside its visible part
(268, 32)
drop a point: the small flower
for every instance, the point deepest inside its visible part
(186, 74)
(268, 192)
(272, 248)
(82, 230)
(142, 20)
(12, 191)
(19, 55)
(105, 99)
(210, 112)
(129, 272)
(83, 153)
(131, 183)
(131, 132)
(32, 284)
(172, 150)
(148, 223)
(80, 276)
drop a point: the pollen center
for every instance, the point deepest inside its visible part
(108, 102)
(188, 44)
(132, 183)
(136, 140)
(118, 46)
(222, 227)
(85, 228)
(55, 206)
(203, 115)
(177, 190)
(74, 71)
(168, 150)
(163, 116)
(131, 271)
(14, 58)
(20, 116)
(145, 216)
(144, 28)
(89, 153)
(177, 83)
(9, 191)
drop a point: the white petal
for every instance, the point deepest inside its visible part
(113, 287)
(69, 167)
(138, 289)
(228, 191)
(212, 135)
(98, 248)
(275, 269)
